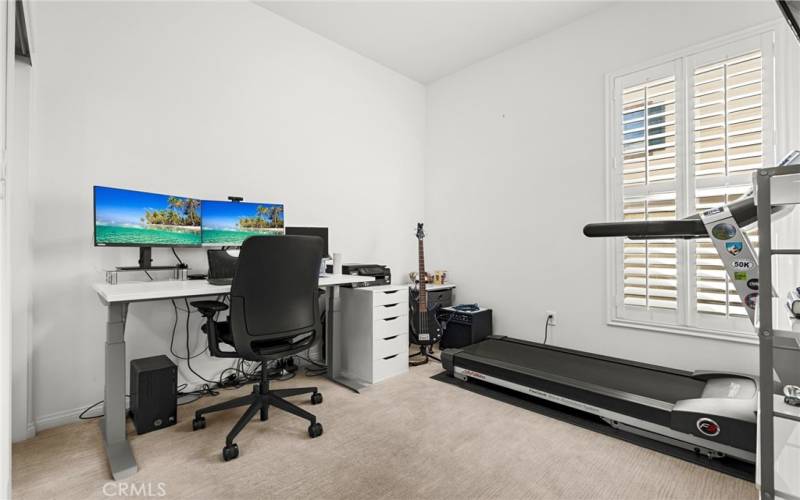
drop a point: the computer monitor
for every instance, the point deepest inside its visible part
(229, 223)
(138, 219)
(322, 232)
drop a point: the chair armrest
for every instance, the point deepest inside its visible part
(209, 309)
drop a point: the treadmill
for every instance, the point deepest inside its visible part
(711, 413)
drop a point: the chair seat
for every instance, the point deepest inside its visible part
(266, 348)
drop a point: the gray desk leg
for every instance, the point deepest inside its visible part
(118, 450)
(330, 360)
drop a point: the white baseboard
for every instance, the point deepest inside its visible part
(63, 417)
(30, 431)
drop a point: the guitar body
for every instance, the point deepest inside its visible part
(425, 328)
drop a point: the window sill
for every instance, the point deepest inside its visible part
(727, 336)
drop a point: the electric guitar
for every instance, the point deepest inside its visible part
(426, 329)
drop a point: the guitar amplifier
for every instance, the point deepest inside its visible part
(462, 328)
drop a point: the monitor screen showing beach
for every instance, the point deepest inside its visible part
(230, 223)
(135, 218)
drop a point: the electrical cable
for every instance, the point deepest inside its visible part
(176, 256)
(546, 324)
(172, 337)
(83, 416)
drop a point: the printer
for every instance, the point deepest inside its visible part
(382, 274)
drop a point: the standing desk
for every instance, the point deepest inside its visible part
(118, 297)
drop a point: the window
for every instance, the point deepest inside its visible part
(687, 135)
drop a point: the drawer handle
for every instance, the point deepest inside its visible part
(387, 306)
(390, 357)
(391, 319)
(390, 338)
(391, 291)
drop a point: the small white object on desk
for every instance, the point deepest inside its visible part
(337, 263)
(376, 321)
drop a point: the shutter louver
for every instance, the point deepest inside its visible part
(648, 132)
(649, 155)
(728, 116)
(650, 267)
(728, 140)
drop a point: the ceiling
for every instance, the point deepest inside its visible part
(426, 40)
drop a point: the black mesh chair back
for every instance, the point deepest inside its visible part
(274, 295)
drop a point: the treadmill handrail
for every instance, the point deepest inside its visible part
(744, 211)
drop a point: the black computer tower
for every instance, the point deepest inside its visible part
(462, 328)
(154, 393)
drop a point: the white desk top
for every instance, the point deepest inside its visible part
(136, 291)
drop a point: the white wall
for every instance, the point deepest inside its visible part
(515, 166)
(203, 99)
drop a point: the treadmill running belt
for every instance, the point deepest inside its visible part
(623, 376)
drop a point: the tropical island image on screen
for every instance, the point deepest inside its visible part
(230, 223)
(124, 217)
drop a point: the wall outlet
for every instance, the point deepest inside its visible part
(551, 315)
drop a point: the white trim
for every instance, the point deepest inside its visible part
(7, 22)
(63, 417)
(775, 26)
(704, 333)
(778, 113)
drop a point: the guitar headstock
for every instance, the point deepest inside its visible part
(420, 232)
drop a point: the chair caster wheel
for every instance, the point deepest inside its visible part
(315, 430)
(198, 423)
(230, 452)
(316, 398)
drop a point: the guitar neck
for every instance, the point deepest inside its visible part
(423, 292)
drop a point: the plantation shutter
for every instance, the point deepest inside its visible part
(727, 136)
(649, 175)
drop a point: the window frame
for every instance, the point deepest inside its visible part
(780, 69)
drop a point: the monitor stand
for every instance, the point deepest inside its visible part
(146, 262)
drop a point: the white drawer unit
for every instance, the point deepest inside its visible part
(373, 342)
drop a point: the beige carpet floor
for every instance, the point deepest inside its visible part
(408, 437)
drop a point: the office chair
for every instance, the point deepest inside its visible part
(274, 313)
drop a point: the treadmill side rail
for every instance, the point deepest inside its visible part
(654, 430)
